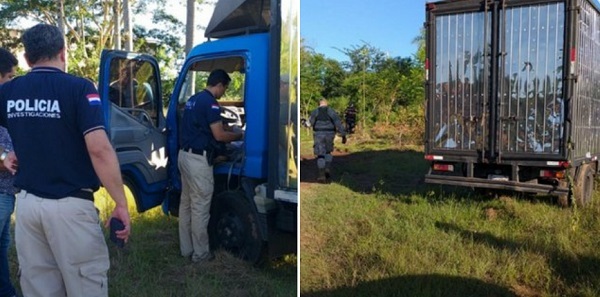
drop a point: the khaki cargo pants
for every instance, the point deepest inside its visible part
(197, 186)
(60, 247)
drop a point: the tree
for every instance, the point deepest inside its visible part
(190, 25)
(311, 78)
(117, 23)
(385, 89)
(128, 34)
(89, 28)
(333, 79)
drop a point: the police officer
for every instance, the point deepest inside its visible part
(325, 122)
(64, 154)
(201, 128)
(350, 118)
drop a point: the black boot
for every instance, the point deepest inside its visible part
(322, 176)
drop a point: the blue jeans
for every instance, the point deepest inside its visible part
(7, 205)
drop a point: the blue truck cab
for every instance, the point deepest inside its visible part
(254, 207)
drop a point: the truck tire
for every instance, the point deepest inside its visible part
(234, 226)
(584, 185)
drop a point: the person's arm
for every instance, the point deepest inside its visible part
(220, 134)
(312, 118)
(105, 162)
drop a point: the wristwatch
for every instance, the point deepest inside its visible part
(4, 155)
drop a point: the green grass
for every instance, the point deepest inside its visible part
(378, 230)
(151, 265)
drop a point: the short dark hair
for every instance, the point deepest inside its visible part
(42, 41)
(7, 61)
(218, 76)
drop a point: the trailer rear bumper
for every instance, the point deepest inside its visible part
(496, 184)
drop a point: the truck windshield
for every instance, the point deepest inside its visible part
(232, 102)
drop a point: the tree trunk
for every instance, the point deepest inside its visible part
(61, 26)
(117, 25)
(189, 32)
(190, 25)
(128, 31)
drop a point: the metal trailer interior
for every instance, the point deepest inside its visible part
(512, 95)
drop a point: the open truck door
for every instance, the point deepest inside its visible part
(130, 92)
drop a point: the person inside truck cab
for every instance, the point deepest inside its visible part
(126, 91)
(201, 128)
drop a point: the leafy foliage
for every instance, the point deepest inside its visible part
(89, 28)
(382, 87)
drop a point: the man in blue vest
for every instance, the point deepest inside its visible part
(57, 126)
(325, 123)
(201, 129)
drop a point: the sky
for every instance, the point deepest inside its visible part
(389, 25)
(178, 9)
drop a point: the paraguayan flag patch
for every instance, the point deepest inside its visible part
(94, 99)
(215, 106)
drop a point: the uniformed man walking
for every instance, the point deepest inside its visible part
(325, 123)
(350, 118)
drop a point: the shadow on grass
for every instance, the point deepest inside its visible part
(386, 171)
(394, 172)
(570, 268)
(420, 285)
(397, 172)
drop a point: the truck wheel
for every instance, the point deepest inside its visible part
(234, 227)
(584, 185)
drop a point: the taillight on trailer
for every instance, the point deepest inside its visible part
(562, 164)
(433, 158)
(549, 173)
(443, 167)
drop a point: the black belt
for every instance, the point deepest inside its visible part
(194, 151)
(324, 129)
(83, 194)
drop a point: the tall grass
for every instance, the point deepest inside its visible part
(150, 264)
(378, 230)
